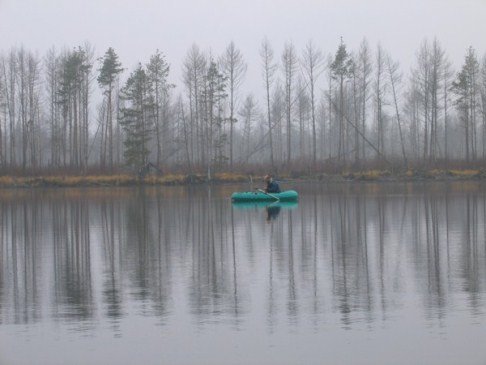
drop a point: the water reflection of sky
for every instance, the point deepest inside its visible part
(389, 270)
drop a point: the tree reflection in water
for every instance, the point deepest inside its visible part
(356, 251)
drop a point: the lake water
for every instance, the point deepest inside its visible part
(352, 274)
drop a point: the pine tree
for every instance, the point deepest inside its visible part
(158, 72)
(73, 89)
(213, 95)
(340, 69)
(465, 88)
(109, 71)
(137, 118)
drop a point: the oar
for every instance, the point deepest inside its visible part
(264, 192)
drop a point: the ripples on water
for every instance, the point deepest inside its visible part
(362, 273)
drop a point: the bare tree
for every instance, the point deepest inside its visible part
(379, 96)
(157, 72)
(437, 59)
(34, 126)
(9, 70)
(249, 113)
(446, 85)
(313, 64)
(289, 64)
(421, 77)
(234, 69)
(269, 68)
(395, 81)
(45, 110)
(303, 116)
(278, 114)
(354, 71)
(364, 68)
(194, 70)
(52, 74)
(482, 91)
(3, 116)
(411, 112)
(329, 102)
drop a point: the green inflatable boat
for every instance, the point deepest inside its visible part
(249, 196)
(260, 204)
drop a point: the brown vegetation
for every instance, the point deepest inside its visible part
(119, 180)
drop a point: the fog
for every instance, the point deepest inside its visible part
(395, 94)
(135, 29)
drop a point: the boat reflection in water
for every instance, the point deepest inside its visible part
(356, 273)
(272, 209)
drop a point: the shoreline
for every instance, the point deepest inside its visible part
(125, 180)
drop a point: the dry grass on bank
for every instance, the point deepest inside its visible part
(114, 180)
(411, 174)
(66, 181)
(119, 180)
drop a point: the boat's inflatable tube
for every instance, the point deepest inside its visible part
(248, 196)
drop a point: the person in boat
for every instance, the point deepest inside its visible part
(272, 186)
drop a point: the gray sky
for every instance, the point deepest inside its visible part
(136, 28)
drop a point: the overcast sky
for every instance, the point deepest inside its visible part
(136, 28)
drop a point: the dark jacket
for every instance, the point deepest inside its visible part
(272, 187)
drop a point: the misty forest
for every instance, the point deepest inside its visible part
(78, 111)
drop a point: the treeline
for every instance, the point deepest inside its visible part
(317, 112)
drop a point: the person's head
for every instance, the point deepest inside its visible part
(267, 178)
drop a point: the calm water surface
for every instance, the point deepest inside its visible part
(352, 274)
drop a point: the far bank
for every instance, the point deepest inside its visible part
(118, 180)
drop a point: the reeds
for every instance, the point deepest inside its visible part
(119, 180)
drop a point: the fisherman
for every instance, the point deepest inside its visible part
(272, 186)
